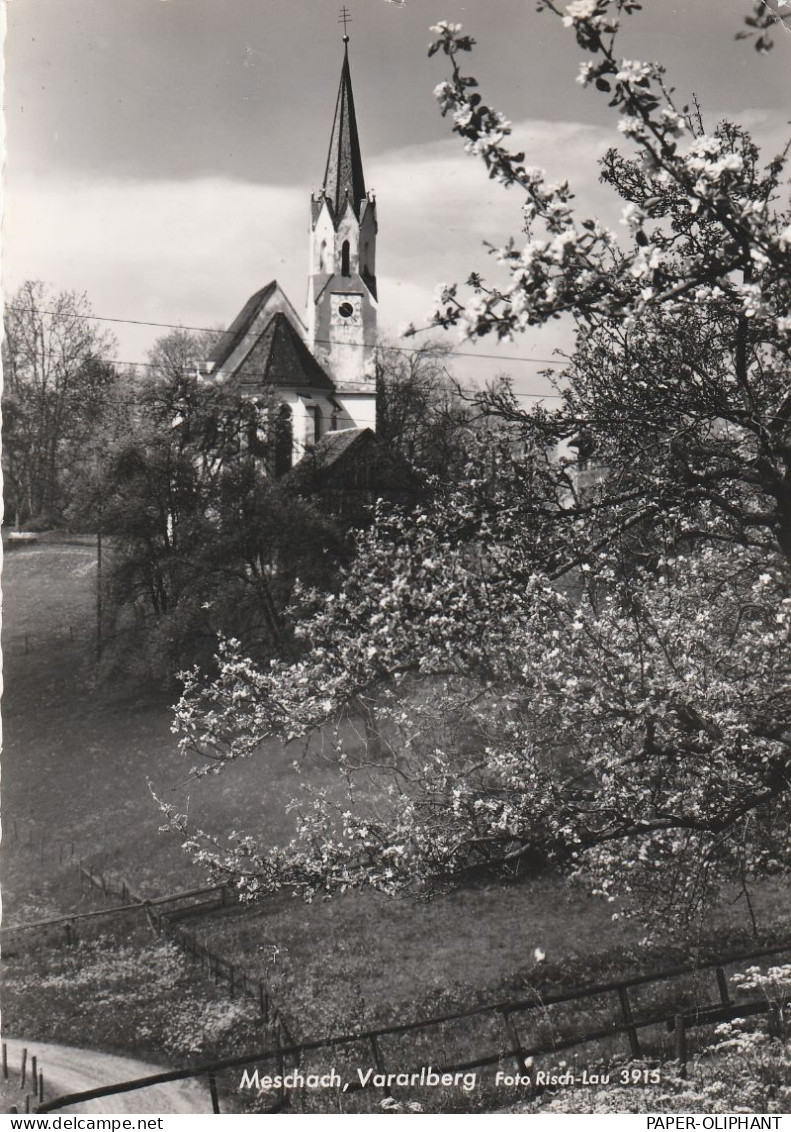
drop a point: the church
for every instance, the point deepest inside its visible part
(318, 365)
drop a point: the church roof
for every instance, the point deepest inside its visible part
(231, 338)
(280, 358)
(343, 177)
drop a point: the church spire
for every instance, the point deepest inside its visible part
(343, 176)
(342, 302)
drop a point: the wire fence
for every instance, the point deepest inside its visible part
(63, 634)
(161, 912)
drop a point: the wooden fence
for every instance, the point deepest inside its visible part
(513, 1049)
(160, 912)
(31, 1079)
(626, 1023)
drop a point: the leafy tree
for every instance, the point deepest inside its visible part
(420, 409)
(58, 390)
(202, 537)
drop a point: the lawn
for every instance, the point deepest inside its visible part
(78, 759)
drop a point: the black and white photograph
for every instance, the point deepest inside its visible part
(396, 623)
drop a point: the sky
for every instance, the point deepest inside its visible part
(161, 153)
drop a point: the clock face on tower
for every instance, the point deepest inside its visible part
(346, 310)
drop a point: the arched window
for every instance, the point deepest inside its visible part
(323, 256)
(284, 440)
(315, 420)
(366, 269)
(345, 258)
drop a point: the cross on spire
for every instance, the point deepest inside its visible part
(345, 18)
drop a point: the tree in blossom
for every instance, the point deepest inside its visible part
(763, 20)
(631, 729)
(679, 379)
(545, 689)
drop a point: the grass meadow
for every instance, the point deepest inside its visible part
(77, 765)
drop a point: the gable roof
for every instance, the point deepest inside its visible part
(280, 358)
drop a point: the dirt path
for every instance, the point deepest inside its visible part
(68, 1069)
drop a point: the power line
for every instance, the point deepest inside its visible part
(403, 349)
(248, 373)
(321, 341)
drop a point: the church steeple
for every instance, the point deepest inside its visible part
(342, 300)
(343, 175)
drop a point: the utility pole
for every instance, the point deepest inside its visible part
(98, 595)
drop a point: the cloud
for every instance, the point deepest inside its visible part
(170, 251)
(192, 251)
(446, 207)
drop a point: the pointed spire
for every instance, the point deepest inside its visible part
(343, 177)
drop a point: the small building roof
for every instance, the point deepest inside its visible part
(356, 460)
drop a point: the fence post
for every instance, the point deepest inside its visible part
(722, 983)
(34, 1071)
(41, 1086)
(281, 1068)
(215, 1100)
(263, 999)
(24, 1068)
(774, 1023)
(150, 918)
(680, 1043)
(5, 1062)
(380, 1065)
(631, 1029)
(516, 1044)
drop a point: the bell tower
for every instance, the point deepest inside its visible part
(342, 300)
